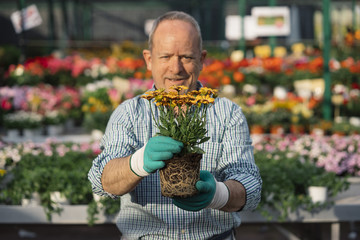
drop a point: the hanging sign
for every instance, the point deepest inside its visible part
(233, 27)
(271, 21)
(31, 15)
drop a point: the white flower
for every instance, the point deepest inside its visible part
(340, 89)
(19, 71)
(103, 69)
(249, 88)
(91, 87)
(354, 93)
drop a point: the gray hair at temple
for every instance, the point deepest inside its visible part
(175, 15)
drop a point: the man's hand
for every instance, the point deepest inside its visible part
(212, 194)
(152, 155)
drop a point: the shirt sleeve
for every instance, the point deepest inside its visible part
(118, 141)
(238, 157)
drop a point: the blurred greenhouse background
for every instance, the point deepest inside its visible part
(292, 65)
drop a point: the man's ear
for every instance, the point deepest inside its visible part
(202, 58)
(147, 57)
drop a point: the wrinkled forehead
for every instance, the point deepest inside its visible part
(178, 30)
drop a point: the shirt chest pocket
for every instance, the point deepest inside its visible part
(211, 158)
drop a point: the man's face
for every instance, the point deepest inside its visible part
(175, 58)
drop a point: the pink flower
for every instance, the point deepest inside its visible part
(251, 100)
(114, 95)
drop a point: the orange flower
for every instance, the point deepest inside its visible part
(225, 80)
(238, 77)
(138, 75)
(148, 74)
(357, 35)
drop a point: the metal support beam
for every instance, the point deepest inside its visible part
(327, 115)
(272, 39)
(87, 20)
(52, 36)
(21, 6)
(354, 14)
(65, 30)
(242, 12)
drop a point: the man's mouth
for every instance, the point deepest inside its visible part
(176, 79)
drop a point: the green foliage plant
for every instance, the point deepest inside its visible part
(183, 116)
(286, 179)
(52, 170)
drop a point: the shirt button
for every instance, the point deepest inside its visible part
(183, 231)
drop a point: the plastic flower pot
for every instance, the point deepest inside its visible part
(59, 198)
(317, 194)
(179, 176)
(54, 130)
(34, 200)
(31, 133)
(12, 134)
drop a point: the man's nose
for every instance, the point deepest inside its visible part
(176, 65)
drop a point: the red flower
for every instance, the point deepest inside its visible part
(5, 104)
(355, 86)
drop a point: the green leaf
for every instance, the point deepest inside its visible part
(204, 140)
(197, 150)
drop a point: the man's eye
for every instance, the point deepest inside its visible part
(165, 57)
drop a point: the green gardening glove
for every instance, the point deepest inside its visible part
(212, 194)
(152, 155)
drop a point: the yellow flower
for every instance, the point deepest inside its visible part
(205, 90)
(149, 96)
(295, 119)
(262, 51)
(2, 172)
(178, 88)
(204, 99)
(159, 91)
(92, 100)
(172, 95)
(85, 108)
(194, 93)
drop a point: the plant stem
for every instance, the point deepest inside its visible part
(152, 114)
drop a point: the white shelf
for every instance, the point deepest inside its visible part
(76, 138)
(346, 208)
(71, 214)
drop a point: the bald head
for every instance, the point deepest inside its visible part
(175, 15)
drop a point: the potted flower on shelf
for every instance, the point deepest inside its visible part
(286, 180)
(323, 185)
(33, 123)
(258, 122)
(300, 118)
(29, 122)
(97, 108)
(279, 120)
(13, 125)
(341, 128)
(54, 121)
(257, 117)
(183, 118)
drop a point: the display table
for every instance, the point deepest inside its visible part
(345, 209)
(71, 214)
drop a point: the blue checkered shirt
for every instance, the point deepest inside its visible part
(145, 213)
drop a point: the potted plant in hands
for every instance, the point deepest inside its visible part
(183, 118)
